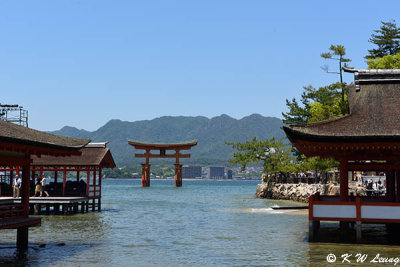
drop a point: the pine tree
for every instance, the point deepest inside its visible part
(387, 38)
(337, 52)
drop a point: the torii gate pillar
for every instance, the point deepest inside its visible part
(145, 175)
(178, 175)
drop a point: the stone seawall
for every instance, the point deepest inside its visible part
(301, 192)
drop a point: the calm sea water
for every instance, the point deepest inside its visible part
(204, 223)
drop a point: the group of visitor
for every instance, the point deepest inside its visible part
(374, 188)
(40, 187)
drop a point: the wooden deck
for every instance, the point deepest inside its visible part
(52, 200)
(56, 205)
(22, 222)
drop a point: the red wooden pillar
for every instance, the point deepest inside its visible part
(344, 180)
(33, 174)
(25, 188)
(94, 176)
(11, 177)
(344, 192)
(87, 181)
(397, 176)
(390, 185)
(100, 181)
(94, 181)
(145, 175)
(64, 180)
(77, 175)
(178, 175)
(41, 172)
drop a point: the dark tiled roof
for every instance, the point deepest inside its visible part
(13, 133)
(374, 112)
(91, 156)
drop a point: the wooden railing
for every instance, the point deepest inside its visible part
(94, 191)
(11, 212)
(356, 209)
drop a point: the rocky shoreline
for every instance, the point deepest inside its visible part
(301, 192)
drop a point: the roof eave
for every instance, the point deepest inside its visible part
(42, 144)
(294, 135)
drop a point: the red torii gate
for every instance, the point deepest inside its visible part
(177, 147)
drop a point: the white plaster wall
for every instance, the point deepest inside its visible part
(334, 211)
(380, 212)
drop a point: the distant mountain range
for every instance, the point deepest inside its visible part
(210, 133)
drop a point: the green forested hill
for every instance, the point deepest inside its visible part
(210, 133)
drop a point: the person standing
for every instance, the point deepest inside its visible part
(37, 185)
(43, 187)
(17, 186)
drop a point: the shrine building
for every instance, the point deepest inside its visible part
(367, 139)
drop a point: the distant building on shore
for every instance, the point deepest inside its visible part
(229, 174)
(216, 173)
(191, 171)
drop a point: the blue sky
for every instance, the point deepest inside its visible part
(82, 63)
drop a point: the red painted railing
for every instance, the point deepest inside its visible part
(94, 191)
(361, 209)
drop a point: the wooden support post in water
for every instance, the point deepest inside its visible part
(344, 229)
(22, 237)
(358, 232)
(99, 203)
(56, 208)
(313, 230)
(310, 231)
(37, 209)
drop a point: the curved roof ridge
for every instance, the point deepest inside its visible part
(316, 123)
(373, 71)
